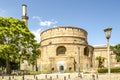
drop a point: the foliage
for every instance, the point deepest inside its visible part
(16, 41)
(34, 72)
(100, 61)
(45, 71)
(116, 50)
(34, 56)
(102, 70)
(69, 71)
(2, 63)
(115, 70)
(105, 70)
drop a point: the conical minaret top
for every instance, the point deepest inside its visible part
(24, 14)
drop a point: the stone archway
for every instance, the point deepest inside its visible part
(61, 68)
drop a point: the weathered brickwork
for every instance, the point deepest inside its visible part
(61, 47)
(102, 52)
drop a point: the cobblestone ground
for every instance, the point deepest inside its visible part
(62, 76)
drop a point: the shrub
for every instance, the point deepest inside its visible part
(45, 72)
(34, 72)
(68, 71)
(102, 70)
(115, 70)
(105, 70)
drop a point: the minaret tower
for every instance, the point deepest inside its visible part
(24, 14)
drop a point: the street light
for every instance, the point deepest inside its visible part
(108, 34)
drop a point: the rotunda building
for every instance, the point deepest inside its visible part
(65, 48)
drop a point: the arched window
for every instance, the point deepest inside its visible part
(86, 51)
(61, 50)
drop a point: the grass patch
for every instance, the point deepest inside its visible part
(34, 72)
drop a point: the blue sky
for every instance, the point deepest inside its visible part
(91, 15)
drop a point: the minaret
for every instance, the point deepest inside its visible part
(24, 14)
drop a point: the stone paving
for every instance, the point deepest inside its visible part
(62, 76)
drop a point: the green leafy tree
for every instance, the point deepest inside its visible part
(33, 58)
(116, 50)
(15, 41)
(100, 61)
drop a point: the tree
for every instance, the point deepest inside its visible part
(33, 58)
(100, 61)
(116, 50)
(15, 40)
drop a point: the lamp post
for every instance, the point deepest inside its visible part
(108, 34)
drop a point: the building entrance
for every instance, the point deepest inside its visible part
(61, 68)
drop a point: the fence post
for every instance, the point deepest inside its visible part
(69, 76)
(93, 77)
(2, 76)
(64, 77)
(13, 76)
(9, 78)
(23, 77)
(50, 77)
(36, 78)
(57, 76)
(46, 76)
(97, 76)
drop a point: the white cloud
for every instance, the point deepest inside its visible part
(36, 17)
(41, 23)
(47, 23)
(44, 22)
(55, 26)
(37, 34)
(2, 12)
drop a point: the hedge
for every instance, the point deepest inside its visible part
(105, 70)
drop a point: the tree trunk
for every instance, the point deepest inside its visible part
(33, 67)
(36, 65)
(8, 69)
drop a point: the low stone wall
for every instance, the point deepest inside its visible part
(62, 76)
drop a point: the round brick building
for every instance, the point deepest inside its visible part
(65, 48)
